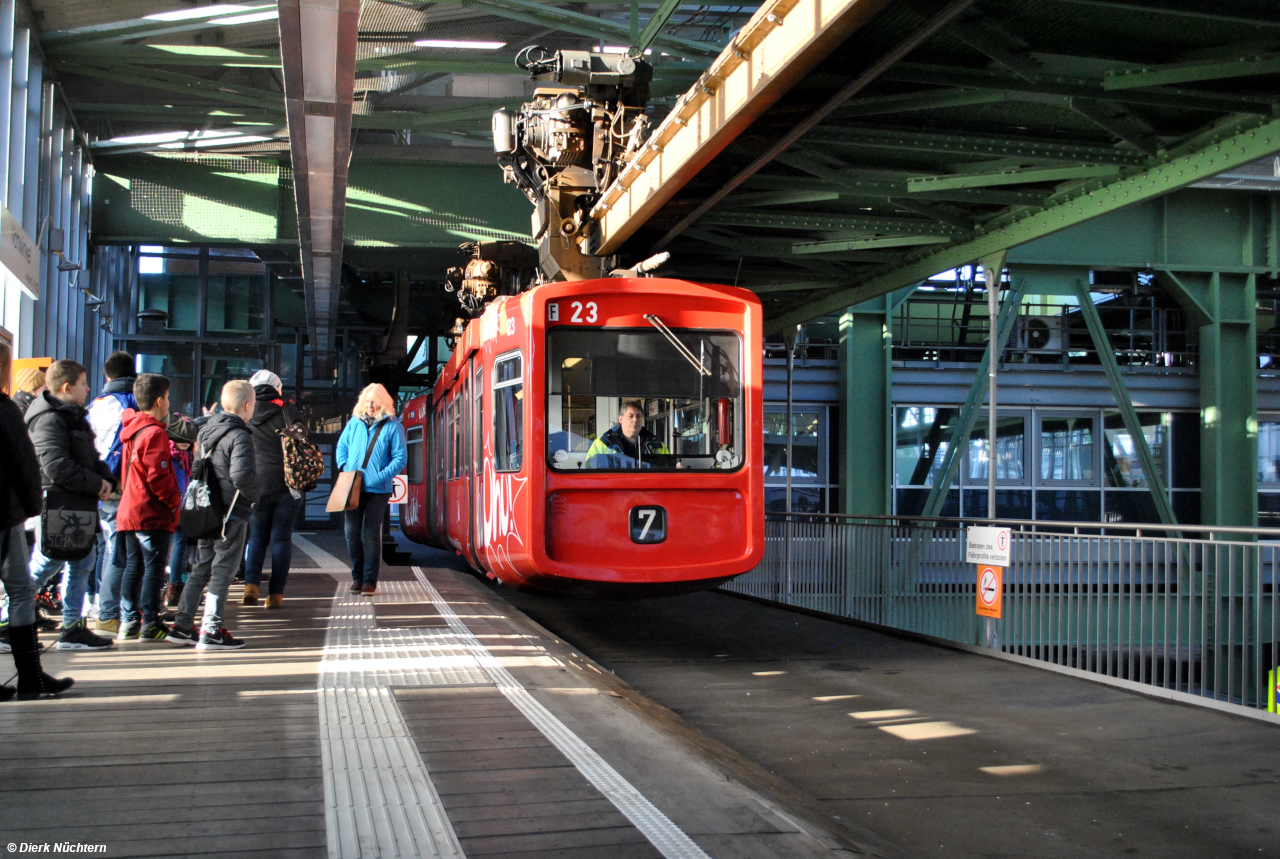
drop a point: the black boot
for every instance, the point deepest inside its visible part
(32, 681)
(7, 692)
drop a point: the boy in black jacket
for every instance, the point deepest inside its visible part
(20, 500)
(69, 461)
(226, 441)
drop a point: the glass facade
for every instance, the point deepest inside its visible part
(1053, 464)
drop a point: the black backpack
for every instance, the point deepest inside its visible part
(203, 515)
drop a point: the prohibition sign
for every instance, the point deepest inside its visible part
(990, 591)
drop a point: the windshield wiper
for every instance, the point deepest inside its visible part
(680, 347)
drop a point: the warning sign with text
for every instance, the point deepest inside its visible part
(987, 546)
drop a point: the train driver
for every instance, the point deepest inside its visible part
(627, 443)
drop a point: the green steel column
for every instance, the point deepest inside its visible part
(1224, 307)
(865, 408)
(1229, 404)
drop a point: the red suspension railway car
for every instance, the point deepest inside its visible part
(504, 464)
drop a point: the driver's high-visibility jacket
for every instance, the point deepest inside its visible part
(608, 450)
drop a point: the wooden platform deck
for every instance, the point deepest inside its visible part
(343, 724)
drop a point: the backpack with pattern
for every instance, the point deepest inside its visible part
(303, 461)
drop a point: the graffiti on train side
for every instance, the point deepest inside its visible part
(413, 510)
(501, 531)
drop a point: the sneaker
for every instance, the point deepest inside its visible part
(111, 626)
(79, 637)
(178, 635)
(220, 640)
(369, 590)
(129, 629)
(355, 587)
(154, 631)
(5, 647)
(48, 624)
(168, 616)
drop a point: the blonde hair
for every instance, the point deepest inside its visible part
(375, 402)
(236, 395)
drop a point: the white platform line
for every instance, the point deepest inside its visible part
(669, 839)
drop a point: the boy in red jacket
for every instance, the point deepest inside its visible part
(149, 505)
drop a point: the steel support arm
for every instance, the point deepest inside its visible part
(958, 440)
(1119, 390)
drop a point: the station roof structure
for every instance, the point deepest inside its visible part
(932, 134)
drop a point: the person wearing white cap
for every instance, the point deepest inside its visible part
(272, 523)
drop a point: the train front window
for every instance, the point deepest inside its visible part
(622, 398)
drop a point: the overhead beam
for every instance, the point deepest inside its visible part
(1242, 66)
(653, 28)
(783, 41)
(1009, 177)
(866, 244)
(1230, 150)
(190, 85)
(532, 12)
(1225, 12)
(1120, 122)
(934, 99)
(318, 41)
(973, 145)
(823, 222)
(1061, 85)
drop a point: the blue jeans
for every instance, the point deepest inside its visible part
(143, 573)
(112, 567)
(74, 586)
(178, 558)
(17, 579)
(363, 528)
(272, 523)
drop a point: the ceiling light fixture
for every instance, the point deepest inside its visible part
(459, 43)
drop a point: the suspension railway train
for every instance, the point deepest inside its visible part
(501, 466)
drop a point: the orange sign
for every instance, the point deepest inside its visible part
(990, 590)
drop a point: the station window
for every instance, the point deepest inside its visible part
(508, 413)
(416, 451)
(1122, 467)
(1067, 448)
(921, 444)
(686, 392)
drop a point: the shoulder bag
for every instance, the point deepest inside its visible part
(346, 489)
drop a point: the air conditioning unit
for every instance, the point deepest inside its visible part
(1039, 334)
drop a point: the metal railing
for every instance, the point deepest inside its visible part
(1189, 612)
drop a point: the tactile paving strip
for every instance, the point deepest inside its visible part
(669, 839)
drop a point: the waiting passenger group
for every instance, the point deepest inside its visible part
(118, 469)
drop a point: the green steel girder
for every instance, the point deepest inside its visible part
(179, 83)
(393, 119)
(1192, 9)
(866, 346)
(1107, 356)
(972, 145)
(532, 12)
(1242, 65)
(136, 28)
(1166, 97)
(927, 100)
(821, 222)
(777, 198)
(962, 429)
(1115, 118)
(170, 55)
(651, 31)
(1009, 177)
(1232, 150)
(865, 244)
(168, 111)
(1224, 305)
(887, 190)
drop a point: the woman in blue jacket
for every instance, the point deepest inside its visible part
(373, 443)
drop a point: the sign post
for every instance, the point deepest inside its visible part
(991, 550)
